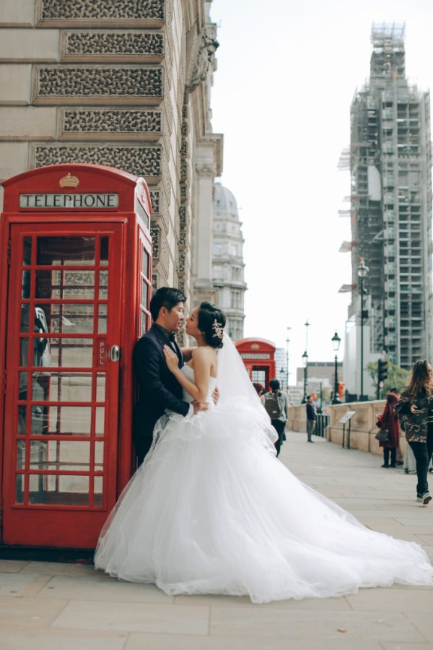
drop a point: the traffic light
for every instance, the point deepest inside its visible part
(382, 371)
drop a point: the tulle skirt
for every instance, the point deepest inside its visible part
(213, 511)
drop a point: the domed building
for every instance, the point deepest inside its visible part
(227, 260)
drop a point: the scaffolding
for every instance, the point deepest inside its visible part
(390, 140)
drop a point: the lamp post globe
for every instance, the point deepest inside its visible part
(336, 340)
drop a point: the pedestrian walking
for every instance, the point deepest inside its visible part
(276, 405)
(311, 418)
(416, 404)
(388, 421)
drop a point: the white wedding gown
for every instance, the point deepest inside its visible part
(213, 511)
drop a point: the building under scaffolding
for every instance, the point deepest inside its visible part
(390, 165)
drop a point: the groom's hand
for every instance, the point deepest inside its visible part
(200, 406)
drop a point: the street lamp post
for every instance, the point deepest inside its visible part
(336, 345)
(305, 364)
(362, 273)
(282, 373)
(287, 359)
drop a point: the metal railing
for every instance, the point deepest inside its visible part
(321, 423)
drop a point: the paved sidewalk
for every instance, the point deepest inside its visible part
(49, 606)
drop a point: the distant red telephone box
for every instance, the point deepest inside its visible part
(75, 269)
(258, 356)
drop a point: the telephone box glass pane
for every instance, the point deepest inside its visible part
(144, 289)
(103, 259)
(99, 456)
(65, 251)
(24, 352)
(19, 495)
(65, 284)
(25, 285)
(145, 263)
(22, 420)
(72, 318)
(64, 421)
(63, 386)
(23, 387)
(60, 455)
(25, 308)
(100, 388)
(99, 421)
(27, 251)
(51, 489)
(102, 318)
(21, 454)
(98, 483)
(103, 284)
(63, 353)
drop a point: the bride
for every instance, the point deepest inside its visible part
(213, 511)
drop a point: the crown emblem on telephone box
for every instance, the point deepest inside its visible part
(69, 181)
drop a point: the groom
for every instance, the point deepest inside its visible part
(158, 388)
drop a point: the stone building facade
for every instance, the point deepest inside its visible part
(228, 261)
(124, 84)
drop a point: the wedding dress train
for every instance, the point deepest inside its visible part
(213, 511)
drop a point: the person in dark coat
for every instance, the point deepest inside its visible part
(388, 420)
(311, 418)
(416, 404)
(158, 388)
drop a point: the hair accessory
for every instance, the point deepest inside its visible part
(217, 329)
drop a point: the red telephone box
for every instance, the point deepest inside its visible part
(258, 356)
(75, 269)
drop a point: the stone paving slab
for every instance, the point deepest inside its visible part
(102, 588)
(52, 606)
(133, 617)
(377, 625)
(166, 642)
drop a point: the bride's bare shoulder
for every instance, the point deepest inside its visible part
(204, 352)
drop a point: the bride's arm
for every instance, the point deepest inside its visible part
(202, 365)
(187, 354)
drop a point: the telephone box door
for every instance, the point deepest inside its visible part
(62, 365)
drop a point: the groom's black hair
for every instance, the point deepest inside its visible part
(165, 297)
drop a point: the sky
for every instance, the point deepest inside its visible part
(287, 71)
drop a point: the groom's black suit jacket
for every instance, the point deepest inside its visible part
(158, 387)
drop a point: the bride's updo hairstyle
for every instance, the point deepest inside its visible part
(211, 321)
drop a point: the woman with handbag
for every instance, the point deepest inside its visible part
(416, 404)
(389, 434)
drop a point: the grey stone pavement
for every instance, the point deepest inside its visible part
(54, 606)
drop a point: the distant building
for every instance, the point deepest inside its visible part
(281, 367)
(391, 211)
(319, 372)
(227, 260)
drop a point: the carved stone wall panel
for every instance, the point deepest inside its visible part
(81, 84)
(155, 233)
(167, 181)
(113, 46)
(141, 161)
(181, 262)
(169, 116)
(155, 200)
(88, 13)
(164, 256)
(117, 124)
